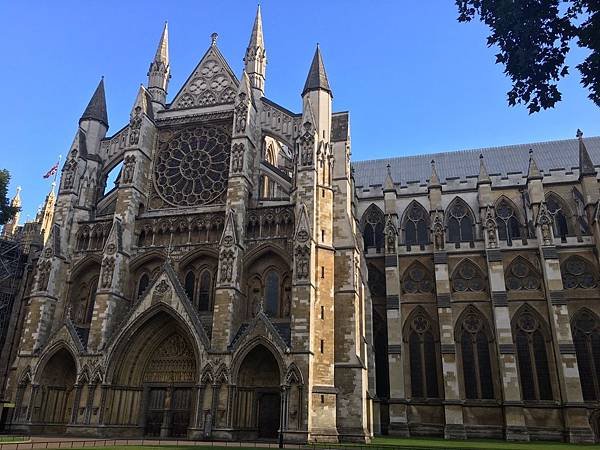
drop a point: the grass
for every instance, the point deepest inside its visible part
(438, 443)
(6, 439)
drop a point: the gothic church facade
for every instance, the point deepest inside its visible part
(242, 280)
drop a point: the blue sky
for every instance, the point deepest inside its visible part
(413, 78)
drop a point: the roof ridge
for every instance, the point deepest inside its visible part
(469, 150)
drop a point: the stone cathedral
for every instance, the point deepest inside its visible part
(240, 279)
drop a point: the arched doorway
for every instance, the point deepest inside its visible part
(54, 402)
(259, 399)
(157, 372)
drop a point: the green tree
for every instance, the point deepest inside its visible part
(7, 211)
(534, 38)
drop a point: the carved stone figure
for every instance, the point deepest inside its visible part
(161, 292)
(302, 261)
(69, 174)
(438, 233)
(491, 228)
(134, 126)
(241, 113)
(307, 144)
(390, 237)
(44, 275)
(128, 169)
(108, 266)
(545, 222)
(227, 261)
(237, 158)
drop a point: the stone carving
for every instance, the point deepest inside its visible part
(544, 220)
(192, 165)
(172, 362)
(227, 262)
(307, 145)
(211, 84)
(108, 266)
(135, 125)
(241, 113)
(302, 261)
(491, 228)
(438, 232)
(44, 269)
(68, 177)
(161, 291)
(390, 236)
(128, 168)
(237, 158)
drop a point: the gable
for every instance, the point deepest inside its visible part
(211, 83)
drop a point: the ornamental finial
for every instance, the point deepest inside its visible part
(213, 38)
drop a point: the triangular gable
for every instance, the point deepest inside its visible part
(67, 334)
(165, 289)
(261, 326)
(114, 242)
(211, 83)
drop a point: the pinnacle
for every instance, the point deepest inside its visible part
(317, 77)
(256, 38)
(533, 173)
(96, 108)
(162, 51)
(586, 166)
(434, 180)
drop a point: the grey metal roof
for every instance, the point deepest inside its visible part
(96, 108)
(510, 159)
(317, 78)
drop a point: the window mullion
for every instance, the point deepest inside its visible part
(476, 360)
(534, 370)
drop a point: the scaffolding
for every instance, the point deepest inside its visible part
(11, 272)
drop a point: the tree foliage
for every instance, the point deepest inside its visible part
(534, 38)
(7, 211)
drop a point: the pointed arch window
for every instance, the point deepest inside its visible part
(560, 224)
(189, 285)
(423, 358)
(586, 338)
(205, 291)
(416, 227)
(521, 276)
(373, 228)
(460, 222)
(532, 357)
(578, 273)
(468, 278)
(143, 283)
(475, 345)
(508, 224)
(272, 288)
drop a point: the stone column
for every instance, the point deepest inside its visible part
(75, 411)
(454, 428)
(103, 395)
(516, 428)
(35, 390)
(199, 404)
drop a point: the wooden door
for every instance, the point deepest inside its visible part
(268, 415)
(181, 411)
(155, 411)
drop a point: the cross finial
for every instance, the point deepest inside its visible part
(389, 168)
(579, 134)
(481, 156)
(213, 38)
(531, 153)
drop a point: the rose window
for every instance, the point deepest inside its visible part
(192, 165)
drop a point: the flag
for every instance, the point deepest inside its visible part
(52, 171)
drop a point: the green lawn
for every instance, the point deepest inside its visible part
(4, 439)
(386, 443)
(433, 443)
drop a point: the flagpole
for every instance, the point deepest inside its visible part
(57, 167)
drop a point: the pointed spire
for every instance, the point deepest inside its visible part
(96, 108)
(586, 166)
(483, 177)
(16, 200)
(255, 60)
(533, 173)
(256, 38)
(434, 180)
(388, 185)
(317, 77)
(159, 72)
(162, 52)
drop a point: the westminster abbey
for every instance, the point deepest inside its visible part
(218, 268)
